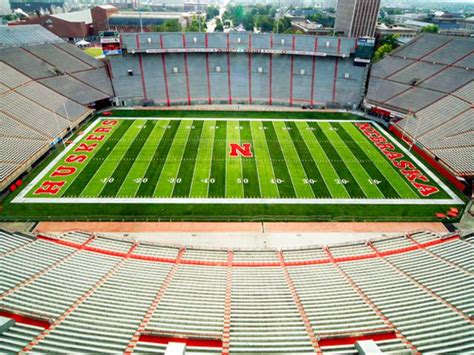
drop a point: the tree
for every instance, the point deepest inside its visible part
(9, 17)
(381, 51)
(430, 29)
(282, 25)
(248, 22)
(265, 23)
(235, 13)
(194, 27)
(390, 40)
(219, 26)
(212, 11)
(167, 26)
(326, 21)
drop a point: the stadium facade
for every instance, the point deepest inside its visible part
(237, 68)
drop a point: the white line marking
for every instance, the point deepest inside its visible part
(225, 201)
(234, 119)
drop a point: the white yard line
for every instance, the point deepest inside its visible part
(257, 165)
(234, 119)
(210, 162)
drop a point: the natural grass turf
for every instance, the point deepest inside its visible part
(295, 171)
(235, 114)
(215, 212)
(94, 51)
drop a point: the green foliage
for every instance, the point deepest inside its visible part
(212, 11)
(265, 23)
(219, 26)
(167, 26)
(283, 25)
(194, 27)
(392, 10)
(386, 45)
(326, 21)
(251, 16)
(236, 14)
(391, 40)
(430, 29)
(10, 17)
(248, 22)
(381, 51)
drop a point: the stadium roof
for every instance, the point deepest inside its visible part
(15, 36)
(76, 16)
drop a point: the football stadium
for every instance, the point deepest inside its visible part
(235, 193)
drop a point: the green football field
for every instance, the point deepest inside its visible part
(232, 161)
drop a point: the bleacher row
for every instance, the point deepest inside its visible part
(238, 77)
(446, 127)
(433, 78)
(422, 72)
(103, 295)
(21, 35)
(45, 85)
(31, 118)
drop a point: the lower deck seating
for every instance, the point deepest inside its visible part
(102, 294)
(17, 337)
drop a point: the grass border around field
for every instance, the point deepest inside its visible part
(211, 212)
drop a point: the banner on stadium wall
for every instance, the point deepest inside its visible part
(236, 50)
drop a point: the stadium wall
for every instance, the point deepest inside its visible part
(170, 69)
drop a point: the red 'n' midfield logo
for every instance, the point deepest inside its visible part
(243, 150)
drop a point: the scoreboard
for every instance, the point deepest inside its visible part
(111, 43)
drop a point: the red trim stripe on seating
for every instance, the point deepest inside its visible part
(19, 318)
(154, 305)
(186, 72)
(165, 75)
(354, 339)
(228, 305)
(40, 337)
(209, 95)
(140, 64)
(299, 305)
(253, 264)
(150, 338)
(336, 65)
(228, 69)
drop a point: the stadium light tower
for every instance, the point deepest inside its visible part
(140, 15)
